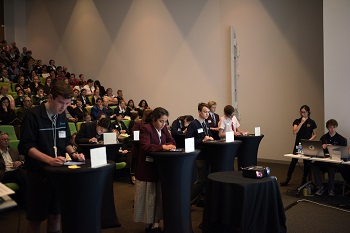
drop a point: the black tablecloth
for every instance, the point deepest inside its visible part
(248, 151)
(220, 154)
(86, 197)
(175, 172)
(238, 204)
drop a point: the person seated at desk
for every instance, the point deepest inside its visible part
(11, 166)
(330, 138)
(229, 123)
(92, 132)
(109, 111)
(119, 125)
(153, 137)
(179, 126)
(121, 108)
(199, 130)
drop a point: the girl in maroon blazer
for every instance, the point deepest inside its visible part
(153, 137)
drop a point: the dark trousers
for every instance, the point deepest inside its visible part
(293, 163)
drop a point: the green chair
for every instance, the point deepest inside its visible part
(127, 123)
(72, 127)
(13, 143)
(6, 84)
(10, 130)
(78, 125)
(13, 186)
(120, 165)
(88, 108)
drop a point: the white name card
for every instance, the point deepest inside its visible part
(189, 144)
(230, 136)
(136, 135)
(109, 138)
(98, 157)
(257, 131)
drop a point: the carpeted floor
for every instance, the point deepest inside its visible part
(307, 214)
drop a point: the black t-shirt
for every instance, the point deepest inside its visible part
(336, 140)
(306, 129)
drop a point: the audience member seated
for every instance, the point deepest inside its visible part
(119, 125)
(87, 117)
(84, 98)
(121, 108)
(134, 117)
(72, 81)
(23, 85)
(47, 86)
(39, 97)
(97, 109)
(92, 132)
(7, 114)
(130, 108)
(89, 87)
(76, 95)
(109, 112)
(52, 66)
(330, 138)
(34, 86)
(19, 99)
(5, 76)
(82, 79)
(80, 86)
(69, 114)
(79, 111)
(22, 111)
(120, 95)
(11, 167)
(98, 85)
(179, 126)
(229, 123)
(142, 106)
(112, 99)
(4, 90)
(95, 96)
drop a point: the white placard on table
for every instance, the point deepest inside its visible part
(109, 138)
(136, 135)
(189, 144)
(257, 131)
(98, 157)
(230, 136)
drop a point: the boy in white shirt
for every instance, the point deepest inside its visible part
(229, 123)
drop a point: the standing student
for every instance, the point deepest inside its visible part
(303, 128)
(213, 120)
(199, 130)
(154, 136)
(229, 123)
(45, 138)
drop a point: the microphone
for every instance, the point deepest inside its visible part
(304, 185)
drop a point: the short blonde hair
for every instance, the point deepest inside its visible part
(211, 103)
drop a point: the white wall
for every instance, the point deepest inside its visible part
(177, 53)
(337, 63)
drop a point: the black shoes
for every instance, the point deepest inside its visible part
(285, 182)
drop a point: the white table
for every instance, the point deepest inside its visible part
(325, 160)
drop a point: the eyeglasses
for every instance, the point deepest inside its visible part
(5, 139)
(303, 112)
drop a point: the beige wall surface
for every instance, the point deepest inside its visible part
(177, 53)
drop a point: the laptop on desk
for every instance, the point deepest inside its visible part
(339, 152)
(313, 148)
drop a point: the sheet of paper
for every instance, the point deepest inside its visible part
(189, 144)
(4, 190)
(109, 138)
(74, 163)
(230, 136)
(136, 135)
(257, 131)
(98, 157)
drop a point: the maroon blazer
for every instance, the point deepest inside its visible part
(210, 121)
(149, 142)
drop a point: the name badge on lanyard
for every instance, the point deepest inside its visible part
(62, 134)
(200, 130)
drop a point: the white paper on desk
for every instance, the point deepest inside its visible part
(109, 138)
(136, 135)
(257, 131)
(98, 156)
(189, 144)
(230, 136)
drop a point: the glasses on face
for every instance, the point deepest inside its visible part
(5, 139)
(303, 112)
